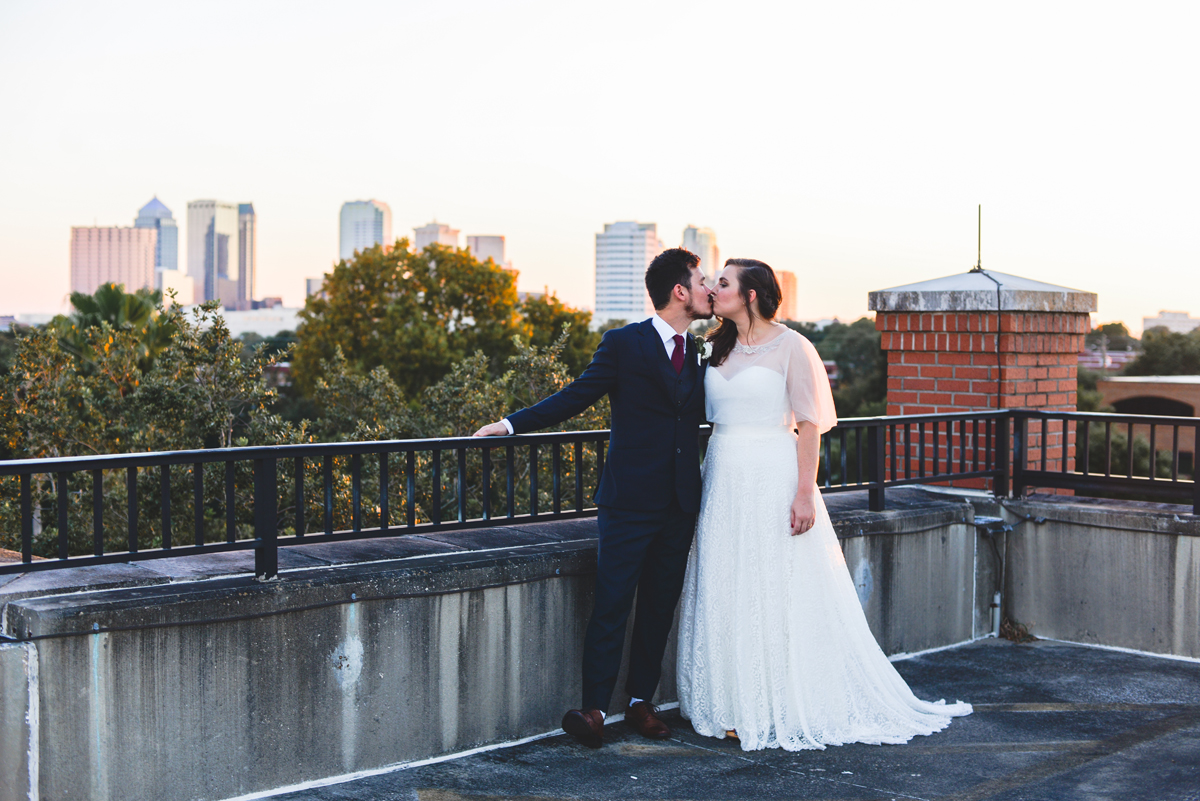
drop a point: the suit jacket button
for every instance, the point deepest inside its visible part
(679, 450)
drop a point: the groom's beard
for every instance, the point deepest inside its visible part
(702, 312)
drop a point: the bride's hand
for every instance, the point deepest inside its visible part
(804, 512)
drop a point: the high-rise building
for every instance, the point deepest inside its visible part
(623, 252)
(112, 255)
(213, 250)
(703, 242)
(487, 247)
(787, 304)
(435, 233)
(363, 224)
(156, 215)
(313, 286)
(247, 253)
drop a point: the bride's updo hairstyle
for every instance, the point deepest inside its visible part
(752, 274)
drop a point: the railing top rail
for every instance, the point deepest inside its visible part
(860, 422)
(113, 461)
(1137, 419)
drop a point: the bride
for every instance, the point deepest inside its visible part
(773, 645)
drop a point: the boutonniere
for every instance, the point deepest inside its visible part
(703, 349)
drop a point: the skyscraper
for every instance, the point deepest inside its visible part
(213, 250)
(364, 224)
(487, 247)
(157, 216)
(435, 233)
(787, 305)
(703, 242)
(623, 252)
(247, 253)
(112, 255)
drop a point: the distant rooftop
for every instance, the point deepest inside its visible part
(155, 209)
(1154, 379)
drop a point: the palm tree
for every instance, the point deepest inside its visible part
(140, 312)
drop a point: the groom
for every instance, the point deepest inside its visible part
(650, 492)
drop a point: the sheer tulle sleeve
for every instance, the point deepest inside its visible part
(808, 385)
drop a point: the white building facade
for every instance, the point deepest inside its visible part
(363, 224)
(623, 252)
(103, 255)
(703, 242)
(435, 233)
(1177, 322)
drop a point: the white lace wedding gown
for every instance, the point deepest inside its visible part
(772, 640)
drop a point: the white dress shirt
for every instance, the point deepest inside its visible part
(663, 329)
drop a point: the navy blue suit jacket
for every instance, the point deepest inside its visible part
(654, 450)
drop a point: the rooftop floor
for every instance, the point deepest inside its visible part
(1052, 721)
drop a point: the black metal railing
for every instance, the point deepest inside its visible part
(1149, 457)
(127, 507)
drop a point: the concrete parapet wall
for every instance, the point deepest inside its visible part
(18, 732)
(1116, 574)
(213, 688)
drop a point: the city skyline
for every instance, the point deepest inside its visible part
(851, 153)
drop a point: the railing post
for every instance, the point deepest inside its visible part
(877, 466)
(1019, 454)
(1196, 473)
(266, 556)
(1002, 463)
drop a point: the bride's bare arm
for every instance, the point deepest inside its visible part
(804, 505)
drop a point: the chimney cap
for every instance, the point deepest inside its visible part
(976, 291)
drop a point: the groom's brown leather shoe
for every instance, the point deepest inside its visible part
(585, 725)
(644, 717)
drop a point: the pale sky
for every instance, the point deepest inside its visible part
(846, 142)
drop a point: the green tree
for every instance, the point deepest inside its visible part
(547, 316)
(1114, 336)
(416, 314)
(1165, 352)
(862, 367)
(810, 331)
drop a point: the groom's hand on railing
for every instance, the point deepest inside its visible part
(492, 430)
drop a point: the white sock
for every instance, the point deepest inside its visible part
(633, 701)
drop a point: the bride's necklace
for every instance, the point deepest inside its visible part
(740, 348)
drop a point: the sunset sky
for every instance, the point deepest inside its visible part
(847, 142)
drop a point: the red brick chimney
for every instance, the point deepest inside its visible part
(985, 340)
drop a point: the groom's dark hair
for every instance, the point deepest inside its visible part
(669, 268)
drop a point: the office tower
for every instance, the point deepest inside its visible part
(623, 252)
(703, 242)
(247, 253)
(487, 247)
(112, 255)
(313, 286)
(435, 233)
(213, 250)
(787, 304)
(157, 216)
(364, 224)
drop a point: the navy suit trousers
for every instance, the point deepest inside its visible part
(639, 551)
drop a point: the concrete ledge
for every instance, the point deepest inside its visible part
(1106, 573)
(178, 682)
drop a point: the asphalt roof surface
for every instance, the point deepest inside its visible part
(1052, 721)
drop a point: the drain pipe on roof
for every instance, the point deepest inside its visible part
(992, 528)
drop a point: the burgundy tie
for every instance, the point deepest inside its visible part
(677, 356)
